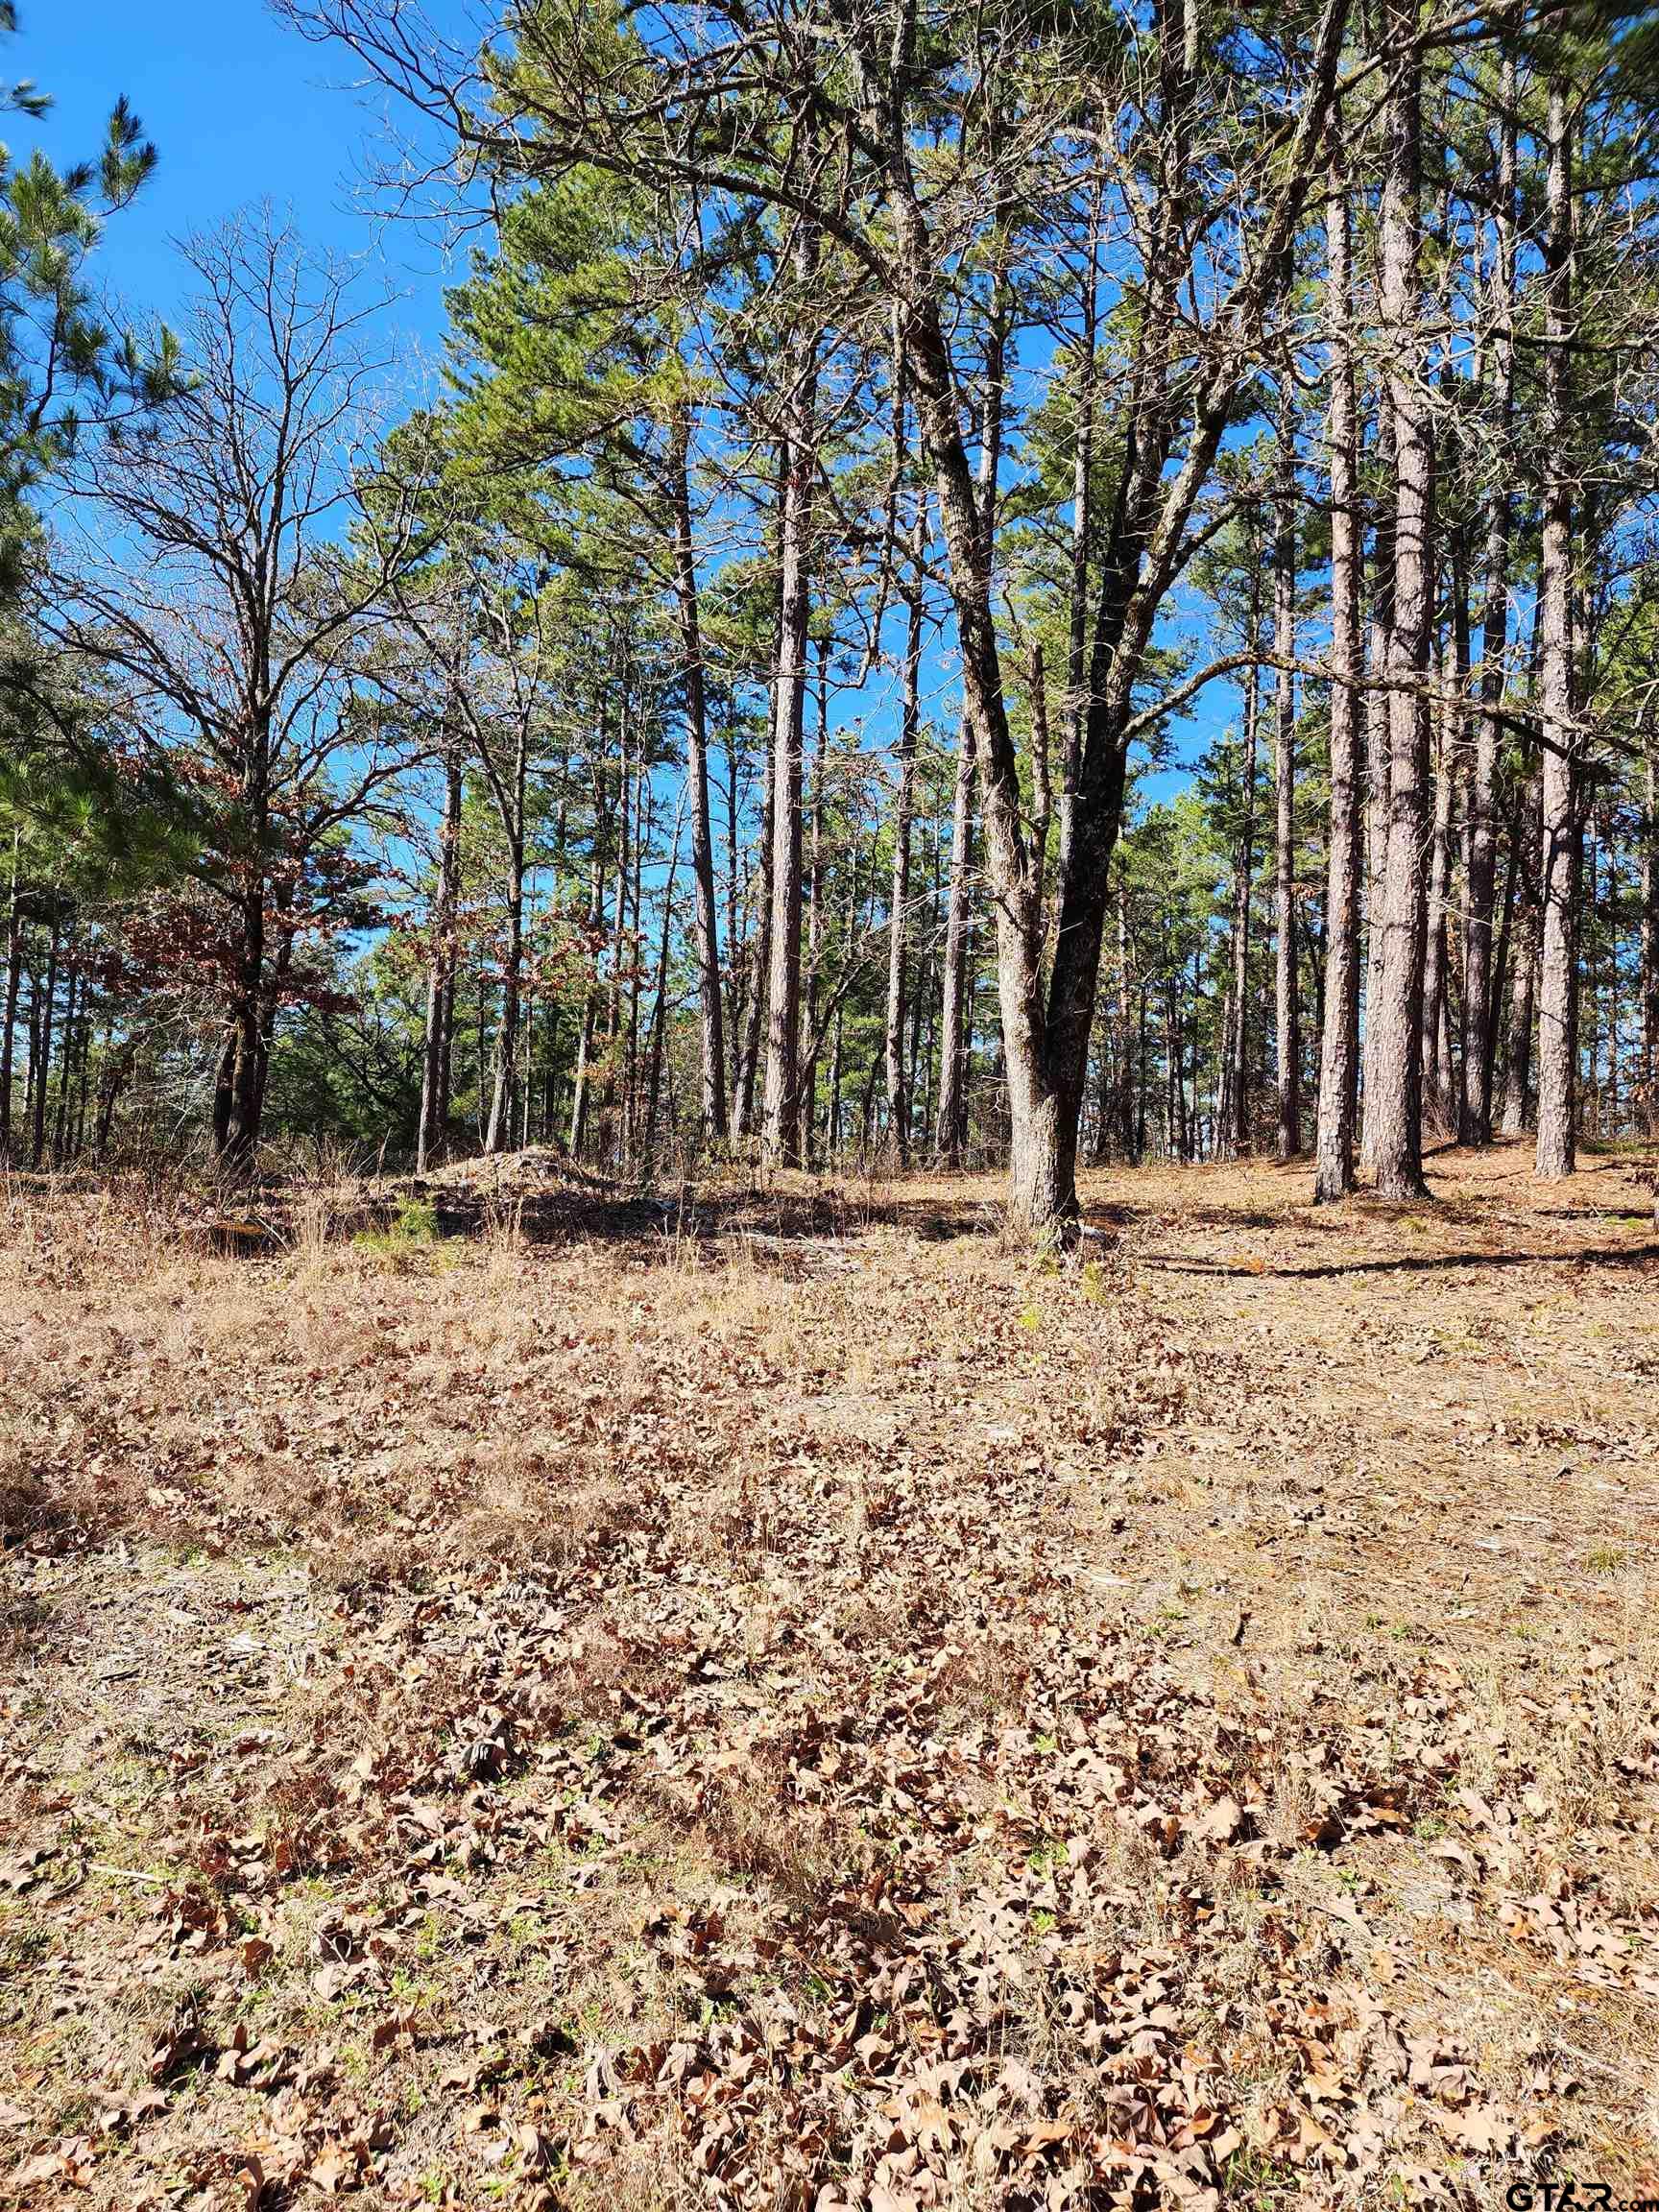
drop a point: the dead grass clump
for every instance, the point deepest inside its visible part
(1601, 1751)
(61, 1230)
(808, 1857)
(23, 1615)
(983, 1680)
(306, 1815)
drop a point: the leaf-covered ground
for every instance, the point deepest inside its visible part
(790, 1700)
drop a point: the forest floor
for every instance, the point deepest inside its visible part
(786, 1698)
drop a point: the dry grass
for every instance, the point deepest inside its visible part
(810, 1620)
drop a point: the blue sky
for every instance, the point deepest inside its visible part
(241, 110)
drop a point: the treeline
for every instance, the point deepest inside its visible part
(981, 585)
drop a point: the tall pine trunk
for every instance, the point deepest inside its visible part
(436, 1057)
(1339, 1042)
(1286, 1005)
(951, 1134)
(1648, 985)
(709, 1025)
(815, 871)
(781, 1132)
(1437, 1096)
(898, 1093)
(1235, 1138)
(1395, 1109)
(1557, 1042)
(1480, 983)
(9, 1009)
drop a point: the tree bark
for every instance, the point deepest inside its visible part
(956, 1041)
(1438, 1107)
(712, 1039)
(815, 868)
(66, 1056)
(898, 1093)
(1557, 1042)
(1286, 1001)
(759, 962)
(1479, 1029)
(1649, 978)
(1377, 769)
(1339, 1042)
(953, 1038)
(8, 1010)
(1234, 1135)
(40, 1052)
(659, 1004)
(781, 1134)
(435, 1063)
(1396, 1106)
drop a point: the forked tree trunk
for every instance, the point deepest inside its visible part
(1395, 1110)
(1046, 1021)
(1340, 1042)
(955, 1029)
(1557, 1044)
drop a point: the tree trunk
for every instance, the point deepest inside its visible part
(435, 1063)
(1524, 964)
(8, 1010)
(712, 1041)
(1340, 1042)
(629, 798)
(40, 1053)
(1437, 1096)
(815, 866)
(1082, 513)
(1479, 1029)
(1648, 983)
(898, 1095)
(585, 1036)
(953, 1038)
(1557, 1049)
(956, 1042)
(1286, 1001)
(1396, 1107)
(781, 1134)
(1234, 1136)
(66, 1057)
(760, 965)
(1046, 1033)
(1377, 770)
(498, 1131)
(659, 1011)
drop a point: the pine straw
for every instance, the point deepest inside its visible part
(780, 1697)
